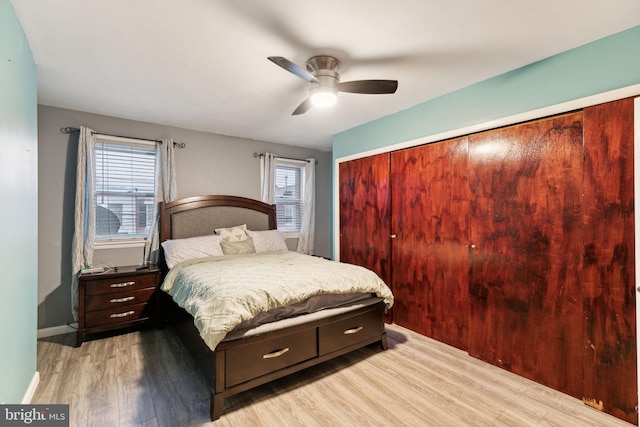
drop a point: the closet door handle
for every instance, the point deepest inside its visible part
(275, 353)
(393, 236)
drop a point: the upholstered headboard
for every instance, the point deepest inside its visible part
(201, 215)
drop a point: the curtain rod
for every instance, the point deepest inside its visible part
(285, 158)
(67, 130)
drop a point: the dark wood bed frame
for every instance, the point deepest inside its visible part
(240, 364)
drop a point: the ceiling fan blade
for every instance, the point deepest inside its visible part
(369, 86)
(293, 68)
(302, 108)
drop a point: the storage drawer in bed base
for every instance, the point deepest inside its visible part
(218, 366)
(249, 361)
(364, 327)
(255, 382)
(214, 364)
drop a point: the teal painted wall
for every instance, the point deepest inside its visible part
(18, 216)
(606, 64)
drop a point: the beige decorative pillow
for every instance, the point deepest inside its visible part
(236, 248)
(268, 241)
(233, 234)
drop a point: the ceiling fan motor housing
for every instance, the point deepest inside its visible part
(322, 62)
(325, 69)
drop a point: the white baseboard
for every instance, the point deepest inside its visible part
(32, 389)
(57, 330)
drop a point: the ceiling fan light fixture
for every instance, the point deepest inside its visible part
(324, 97)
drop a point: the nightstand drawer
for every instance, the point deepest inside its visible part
(120, 299)
(120, 284)
(117, 315)
(116, 299)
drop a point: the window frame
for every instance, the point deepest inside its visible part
(125, 241)
(300, 165)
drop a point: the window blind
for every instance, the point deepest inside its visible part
(125, 187)
(289, 195)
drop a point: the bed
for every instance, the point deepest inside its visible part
(247, 354)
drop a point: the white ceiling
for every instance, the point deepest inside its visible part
(201, 64)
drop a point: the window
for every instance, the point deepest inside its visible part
(125, 188)
(289, 195)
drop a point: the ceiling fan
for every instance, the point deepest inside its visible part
(324, 81)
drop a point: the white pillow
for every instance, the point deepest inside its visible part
(233, 234)
(179, 250)
(268, 241)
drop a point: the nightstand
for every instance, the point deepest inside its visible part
(116, 299)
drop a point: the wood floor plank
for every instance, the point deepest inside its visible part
(105, 404)
(429, 380)
(147, 379)
(134, 392)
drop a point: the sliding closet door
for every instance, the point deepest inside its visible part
(609, 276)
(525, 276)
(365, 214)
(430, 255)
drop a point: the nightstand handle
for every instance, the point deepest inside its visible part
(125, 299)
(122, 285)
(125, 314)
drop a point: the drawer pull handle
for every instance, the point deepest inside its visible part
(125, 314)
(275, 353)
(353, 330)
(122, 285)
(125, 299)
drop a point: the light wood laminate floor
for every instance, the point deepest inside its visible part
(146, 378)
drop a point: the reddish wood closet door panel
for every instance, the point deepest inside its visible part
(365, 214)
(525, 281)
(430, 259)
(610, 356)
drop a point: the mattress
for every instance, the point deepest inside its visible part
(239, 292)
(324, 313)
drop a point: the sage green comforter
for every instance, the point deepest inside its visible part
(222, 292)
